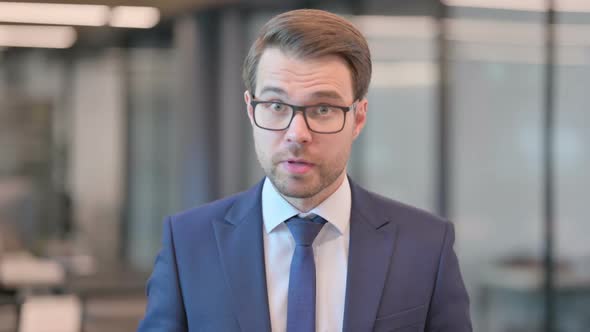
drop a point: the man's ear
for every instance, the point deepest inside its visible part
(247, 100)
(360, 117)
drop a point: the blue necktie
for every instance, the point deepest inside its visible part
(301, 297)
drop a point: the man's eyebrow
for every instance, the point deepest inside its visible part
(327, 94)
(274, 89)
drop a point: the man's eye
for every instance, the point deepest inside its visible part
(277, 107)
(323, 111)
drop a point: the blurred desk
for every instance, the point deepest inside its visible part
(113, 299)
(51, 314)
(514, 298)
(25, 272)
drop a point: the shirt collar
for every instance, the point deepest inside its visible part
(335, 209)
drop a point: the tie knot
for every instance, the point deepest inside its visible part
(304, 231)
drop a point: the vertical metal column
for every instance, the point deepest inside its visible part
(548, 168)
(444, 118)
(233, 131)
(196, 47)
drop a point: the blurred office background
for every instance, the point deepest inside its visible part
(112, 117)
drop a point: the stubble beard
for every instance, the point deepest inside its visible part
(287, 186)
(297, 186)
(302, 186)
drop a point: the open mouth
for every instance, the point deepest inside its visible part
(295, 162)
(298, 166)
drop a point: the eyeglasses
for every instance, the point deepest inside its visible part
(322, 119)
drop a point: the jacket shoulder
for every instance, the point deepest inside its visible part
(393, 207)
(414, 222)
(203, 214)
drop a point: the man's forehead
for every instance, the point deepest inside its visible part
(279, 72)
(273, 52)
(331, 94)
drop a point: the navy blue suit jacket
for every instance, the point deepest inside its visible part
(403, 274)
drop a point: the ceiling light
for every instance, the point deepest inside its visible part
(51, 13)
(526, 5)
(396, 26)
(36, 36)
(134, 17)
(513, 33)
(404, 74)
(573, 5)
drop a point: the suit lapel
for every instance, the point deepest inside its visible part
(372, 238)
(241, 249)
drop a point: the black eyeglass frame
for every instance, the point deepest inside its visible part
(303, 110)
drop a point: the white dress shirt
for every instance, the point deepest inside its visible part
(330, 252)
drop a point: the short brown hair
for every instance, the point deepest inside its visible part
(313, 33)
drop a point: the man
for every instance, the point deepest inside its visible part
(306, 249)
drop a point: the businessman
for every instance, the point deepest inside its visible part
(306, 249)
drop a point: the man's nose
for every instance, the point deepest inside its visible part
(298, 131)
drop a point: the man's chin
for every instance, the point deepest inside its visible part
(294, 187)
(299, 194)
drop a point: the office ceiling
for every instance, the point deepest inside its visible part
(104, 35)
(174, 7)
(167, 7)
